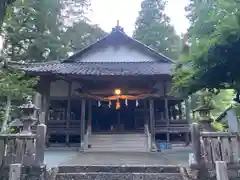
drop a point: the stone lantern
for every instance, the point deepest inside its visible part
(204, 117)
(28, 115)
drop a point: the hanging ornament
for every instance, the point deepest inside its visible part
(126, 102)
(137, 103)
(117, 104)
(109, 104)
(99, 103)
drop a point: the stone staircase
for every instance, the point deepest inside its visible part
(118, 143)
(118, 172)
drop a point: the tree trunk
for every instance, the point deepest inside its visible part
(6, 114)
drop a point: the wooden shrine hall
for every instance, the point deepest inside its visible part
(115, 86)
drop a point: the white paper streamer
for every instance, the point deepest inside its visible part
(126, 102)
(137, 103)
(99, 103)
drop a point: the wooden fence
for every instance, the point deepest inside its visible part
(21, 150)
(209, 147)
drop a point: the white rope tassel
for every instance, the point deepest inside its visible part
(99, 103)
(137, 103)
(126, 102)
(109, 104)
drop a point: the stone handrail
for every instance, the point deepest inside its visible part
(149, 137)
(86, 136)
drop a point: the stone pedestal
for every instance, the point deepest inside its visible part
(205, 125)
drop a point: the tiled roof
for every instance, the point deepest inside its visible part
(119, 36)
(101, 68)
(75, 64)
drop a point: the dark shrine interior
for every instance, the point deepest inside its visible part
(105, 119)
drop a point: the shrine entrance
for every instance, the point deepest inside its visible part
(107, 119)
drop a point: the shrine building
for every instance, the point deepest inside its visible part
(117, 87)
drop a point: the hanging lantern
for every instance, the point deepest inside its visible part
(117, 92)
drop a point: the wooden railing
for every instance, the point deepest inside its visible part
(149, 137)
(209, 147)
(25, 149)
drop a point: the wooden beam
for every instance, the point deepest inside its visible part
(83, 113)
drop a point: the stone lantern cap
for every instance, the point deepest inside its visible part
(28, 105)
(205, 107)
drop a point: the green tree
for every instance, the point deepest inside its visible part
(3, 8)
(153, 28)
(192, 71)
(32, 33)
(86, 33)
(214, 59)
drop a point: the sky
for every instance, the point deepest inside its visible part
(107, 12)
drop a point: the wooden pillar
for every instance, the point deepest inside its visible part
(15, 171)
(40, 144)
(83, 113)
(37, 99)
(196, 144)
(45, 85)
(68, 110)
(166, 111)
(180, 114)
(187, 107)
(90, 116)
(221, 170)
(146, 118)
(152, 118)
(188, 118)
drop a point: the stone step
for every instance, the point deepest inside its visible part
(118, 143)
(119, 169)
(115, 150)
(118, 176)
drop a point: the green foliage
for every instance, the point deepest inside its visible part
(38, 31)
(212, 61)
(14, 83)
(3, 9)
(153, 28)
(32, 32)
(86, 33)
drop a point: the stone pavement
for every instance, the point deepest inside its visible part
(171, 157)
(55, 157)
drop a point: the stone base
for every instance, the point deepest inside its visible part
(118, 176)
(118, 172)
(119, 169)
